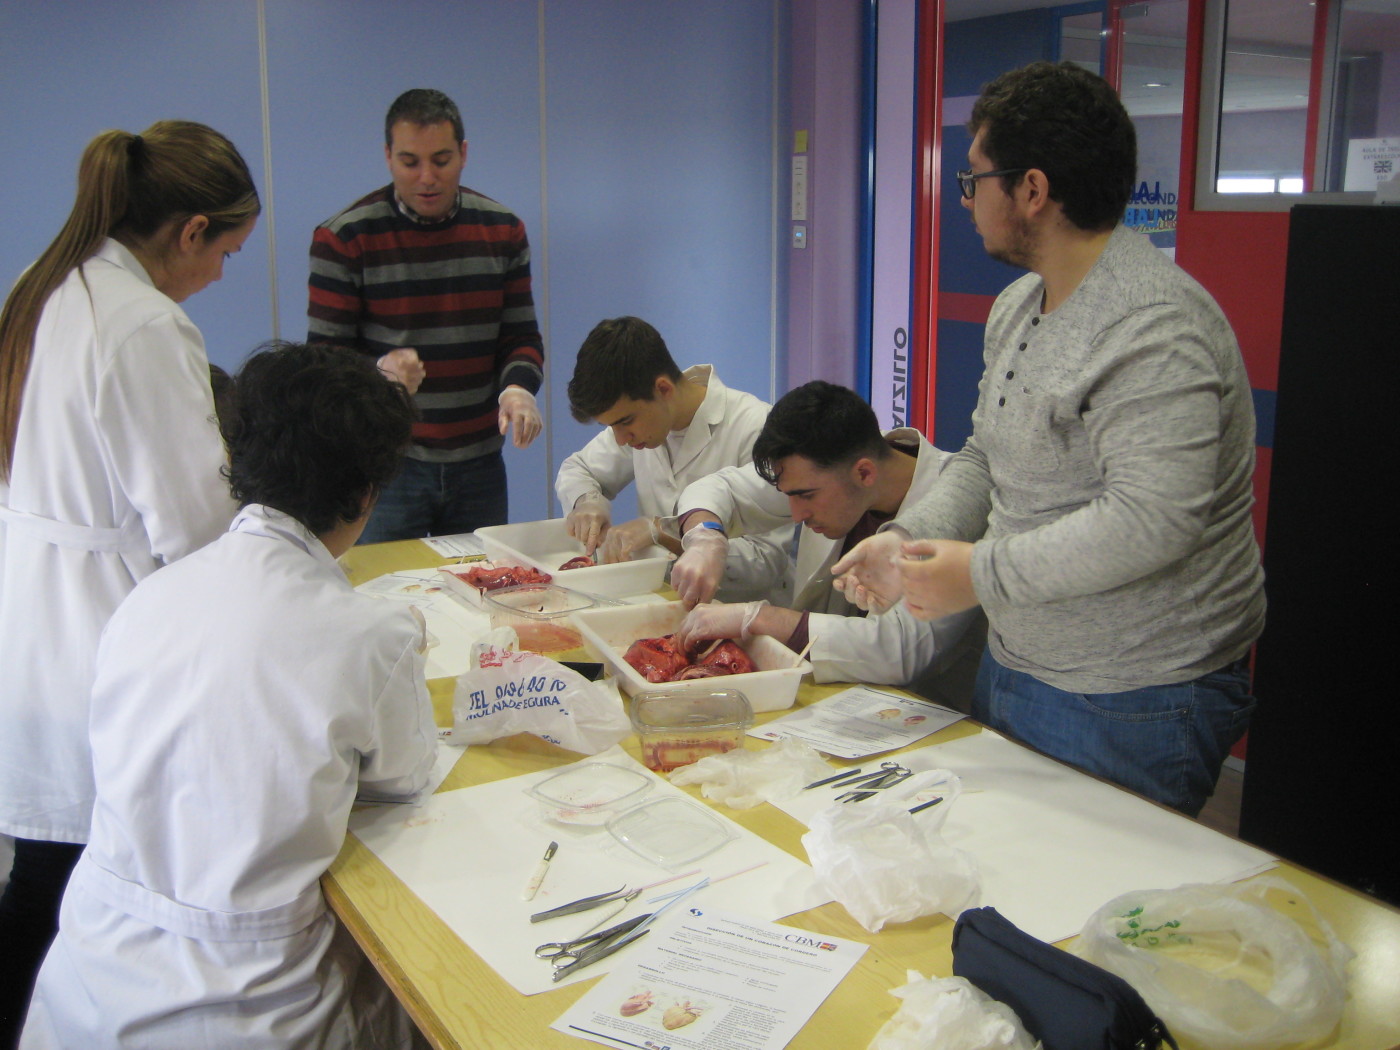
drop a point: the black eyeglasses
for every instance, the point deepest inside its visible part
(967, 182)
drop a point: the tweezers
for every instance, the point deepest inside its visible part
(833, 779)
(873, 785)
(582, 904)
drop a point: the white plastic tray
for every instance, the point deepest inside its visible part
(464, 592)
(608, 632)
(547, 545)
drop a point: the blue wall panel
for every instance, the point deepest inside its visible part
(959, 371)
(657, 140)
(659, 176)
(127, 67)
(334, 66)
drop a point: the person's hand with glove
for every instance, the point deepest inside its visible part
(519, 414)
(718, 620)
(697, 573)
(589, 519)
(869, 575)
(627, 539)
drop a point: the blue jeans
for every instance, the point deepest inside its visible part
(1167, 742)
(440, 499)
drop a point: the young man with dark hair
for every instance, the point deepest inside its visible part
(432, 280)
(245, 697)
(822, 462)
(1100, 512)
(664, 429)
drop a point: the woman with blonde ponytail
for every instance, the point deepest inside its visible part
(110, 466)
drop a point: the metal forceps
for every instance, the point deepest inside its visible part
(609, 941)
(622, 893)
(562, 953)
(890, 773)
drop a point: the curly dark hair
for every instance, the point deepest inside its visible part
(622, 357)
(1071, 125)
(830, 425)
(315, 428)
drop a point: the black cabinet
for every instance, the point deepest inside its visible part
(1320, 784)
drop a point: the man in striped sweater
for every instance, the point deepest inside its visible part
(433, 280)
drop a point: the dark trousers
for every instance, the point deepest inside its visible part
(28, 922)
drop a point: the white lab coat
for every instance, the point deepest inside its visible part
(242, 696)
(721, 435)
(116, 473)
(893, 648)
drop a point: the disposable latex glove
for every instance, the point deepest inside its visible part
(937, 578)
(404, 366)
(868, 574)
(718, 620)
(626, 539)
(697, 573)
(519, 414)
(589, 520)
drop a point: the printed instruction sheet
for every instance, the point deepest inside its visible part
(716, 980)
(860, 721)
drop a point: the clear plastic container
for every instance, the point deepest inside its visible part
(678, 729)
(590, 793)
(539, 612)
(671, 831)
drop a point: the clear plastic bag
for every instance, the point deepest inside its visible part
(743, 779)
(508, 691)
(950, 1013)
(885, 864)
(1225, 966)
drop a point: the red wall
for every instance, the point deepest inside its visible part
(1240, 258)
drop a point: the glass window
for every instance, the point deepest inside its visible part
(1299, 96)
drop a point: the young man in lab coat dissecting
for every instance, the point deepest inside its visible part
(244, 698)
(822, 462)
(664, 429)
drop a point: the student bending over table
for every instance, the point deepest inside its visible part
(244, 696)
(821, 459)
(668, 428)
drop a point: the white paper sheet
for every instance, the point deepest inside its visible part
(1053, 844)
(461, 545)
(468, 853)
(452, 626)
(861, 721)
(713, 980)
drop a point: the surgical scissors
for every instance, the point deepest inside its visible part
(564, 952)
(605, 943)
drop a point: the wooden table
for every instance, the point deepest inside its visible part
(459, 1002)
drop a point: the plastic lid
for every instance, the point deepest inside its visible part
(715, 709)
(590, 793)
(671, 831)
(536, 601)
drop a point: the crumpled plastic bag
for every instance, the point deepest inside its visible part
(1225, 966)
(950, 1013)
(506, 691)
(885, 864)
(743, 779)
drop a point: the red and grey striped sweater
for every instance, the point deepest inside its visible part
(456, 290)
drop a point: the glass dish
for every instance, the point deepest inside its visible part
(671, 832)
(590, 793)
(677, 729)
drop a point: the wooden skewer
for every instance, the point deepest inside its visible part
(803, 654)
